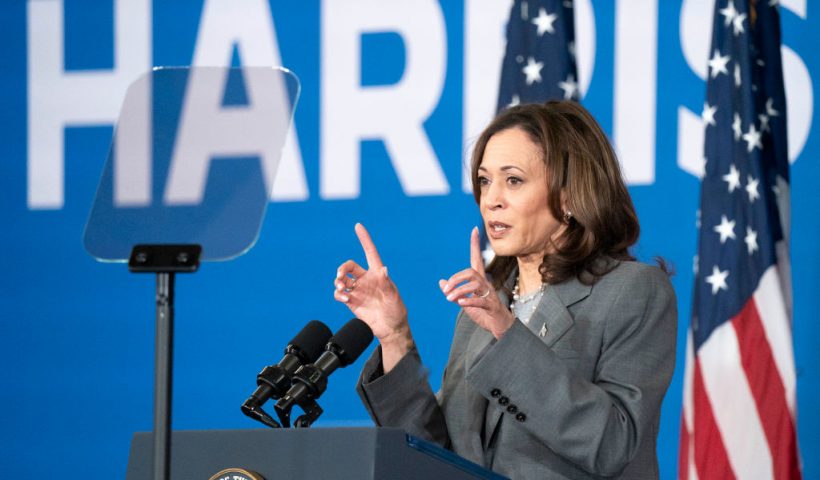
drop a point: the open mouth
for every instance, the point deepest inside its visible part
(497, 229)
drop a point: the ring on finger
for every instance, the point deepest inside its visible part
(485, 294)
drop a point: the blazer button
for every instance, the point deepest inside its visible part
(521, 417)
(512, 409)
(503, 401)
(495, 393)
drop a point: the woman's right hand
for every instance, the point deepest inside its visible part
(374, 298)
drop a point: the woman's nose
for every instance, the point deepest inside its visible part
(494, 197)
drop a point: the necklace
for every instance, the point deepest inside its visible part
(524, 307)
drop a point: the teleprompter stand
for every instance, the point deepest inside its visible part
(165, 261)
(152, 210)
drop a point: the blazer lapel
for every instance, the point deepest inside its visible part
(552, 319)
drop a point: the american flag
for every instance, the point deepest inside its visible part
(739, 388)
(539, 60)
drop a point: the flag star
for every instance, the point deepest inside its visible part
(569, 86)
(533, 71)
(751, 240)
(708, 114)
(726, 229)
(732, 178)
(717, 280)
(544, 21)
(737, 23)
(737, 127)
(718, 64)
(729, 12)
(764, 122)
(751, 188)
(737, 75)
(752, 138)
(516, 100)
(770, 111)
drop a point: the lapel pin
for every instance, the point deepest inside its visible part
(543, 331)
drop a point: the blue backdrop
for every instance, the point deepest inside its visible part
(78, 335)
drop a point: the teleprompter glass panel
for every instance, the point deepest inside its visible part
(193, 159)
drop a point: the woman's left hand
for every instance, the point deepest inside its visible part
(471, 290)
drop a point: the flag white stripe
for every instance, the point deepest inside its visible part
(693, 469)
(733, 405)
(769, 300)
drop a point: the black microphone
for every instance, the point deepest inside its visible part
(310, 381)
(275, 380)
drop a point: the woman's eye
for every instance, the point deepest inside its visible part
(514, 181)
(483, 181)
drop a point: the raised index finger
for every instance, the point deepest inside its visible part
(476, 260)
(370, 252)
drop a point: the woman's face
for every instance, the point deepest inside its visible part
(513, 181)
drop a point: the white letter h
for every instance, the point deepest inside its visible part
(57, 98)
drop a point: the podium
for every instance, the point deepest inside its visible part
(315, 453)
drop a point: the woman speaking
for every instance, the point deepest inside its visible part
(564, 347)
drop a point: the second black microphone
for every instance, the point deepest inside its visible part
(310, 381)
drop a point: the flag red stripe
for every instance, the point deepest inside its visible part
(768, 391)
(683, 451)
(711, 460)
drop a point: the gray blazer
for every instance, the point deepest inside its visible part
(577, 394)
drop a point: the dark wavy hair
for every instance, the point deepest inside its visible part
(581, 163)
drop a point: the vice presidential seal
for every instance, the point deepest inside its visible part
(237, 474)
